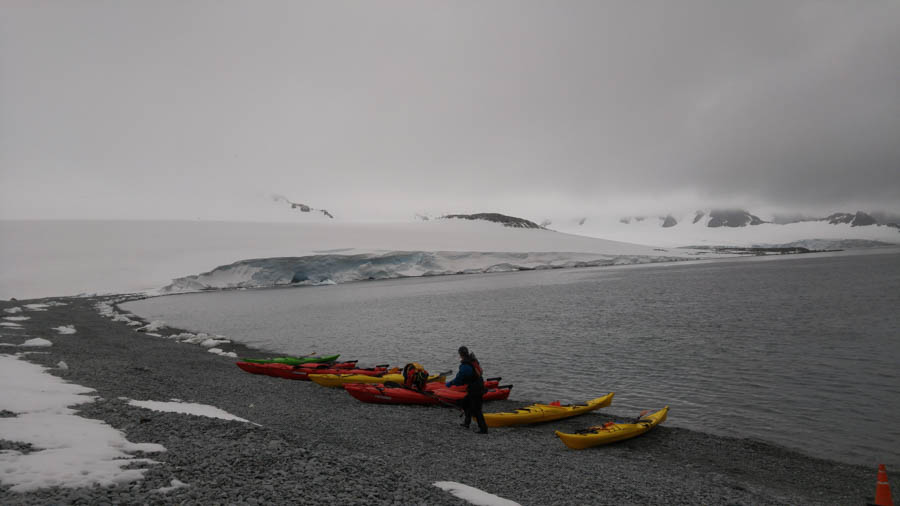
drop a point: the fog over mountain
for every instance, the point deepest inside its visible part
(539, 110)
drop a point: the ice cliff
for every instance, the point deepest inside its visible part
(333, 269)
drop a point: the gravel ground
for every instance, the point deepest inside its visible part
(318, 446)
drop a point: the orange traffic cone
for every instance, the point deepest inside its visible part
(883, 489)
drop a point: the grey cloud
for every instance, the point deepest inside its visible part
(400, 107)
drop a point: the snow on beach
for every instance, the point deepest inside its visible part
(473, 495)
(39, 342)
(188, 408)
(68, 450)
(211, 342)
(128, 257)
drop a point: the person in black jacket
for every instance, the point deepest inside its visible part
(470, 374)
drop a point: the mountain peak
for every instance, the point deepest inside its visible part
(732, 218)
(507, 221)
(860, 219)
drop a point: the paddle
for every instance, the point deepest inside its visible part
(642, 415)
(438, 376)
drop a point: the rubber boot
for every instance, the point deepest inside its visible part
(482, 426)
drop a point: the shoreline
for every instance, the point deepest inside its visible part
(315, 444)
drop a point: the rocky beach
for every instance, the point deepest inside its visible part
(312, 445)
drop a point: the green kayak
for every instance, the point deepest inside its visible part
(292, 360)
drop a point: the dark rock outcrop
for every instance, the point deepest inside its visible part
(732, 218)
(669, 221)
(860, 219)
(507, 221)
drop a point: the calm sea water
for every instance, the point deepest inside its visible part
(802, 350)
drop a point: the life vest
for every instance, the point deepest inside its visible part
(414, 376)
(473, 363)
(475, 382)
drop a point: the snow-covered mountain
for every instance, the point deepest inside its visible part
(738, 227)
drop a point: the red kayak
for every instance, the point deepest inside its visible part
(301, 372)
(398, 394)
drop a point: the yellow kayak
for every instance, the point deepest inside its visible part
(545, 412)
(339, 380)
(612, 432)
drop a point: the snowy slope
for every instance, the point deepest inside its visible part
(688, 233)
(51, 258)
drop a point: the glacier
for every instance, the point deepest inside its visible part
(56, 258)
(335, 268)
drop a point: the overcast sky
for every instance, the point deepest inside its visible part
(172, 109)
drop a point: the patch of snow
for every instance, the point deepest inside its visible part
(219, 351)
(13, 310)
(17, 318)
(37, 307)
(473, 495)
(152, 326)
(175, 484)
(37, 342)
(188, 408)
(193, 338)
(105, 308)
(71, 451)
(65, 329)
(209, 343)
(10, 325)
(62, 365)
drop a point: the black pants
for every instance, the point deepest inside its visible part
(471, 404)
